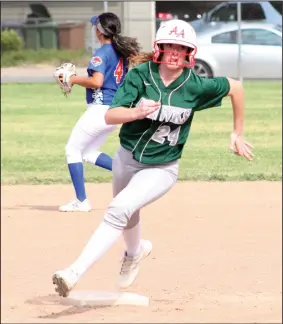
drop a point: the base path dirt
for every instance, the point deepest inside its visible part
(216, 255)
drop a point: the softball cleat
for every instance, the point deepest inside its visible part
(76, 206)
(65, 281)
(131, 265)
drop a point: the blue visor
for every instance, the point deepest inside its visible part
(93, 19)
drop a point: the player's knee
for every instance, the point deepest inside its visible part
(118, 216)
(73, 154)
(91, 157)
(133, 221)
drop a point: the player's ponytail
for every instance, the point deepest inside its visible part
(125, 46)
(111, 29)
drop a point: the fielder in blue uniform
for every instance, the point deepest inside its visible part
(106, 71)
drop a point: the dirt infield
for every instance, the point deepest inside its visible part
(216, 255)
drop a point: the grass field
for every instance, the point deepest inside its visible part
(37, 121)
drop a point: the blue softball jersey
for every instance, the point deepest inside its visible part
(106, 61)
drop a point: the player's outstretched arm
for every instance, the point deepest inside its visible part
(121, 115)
(237, 144)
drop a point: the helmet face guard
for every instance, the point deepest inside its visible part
(188, 58)
(176, 32)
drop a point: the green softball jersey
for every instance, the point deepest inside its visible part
(161, 136)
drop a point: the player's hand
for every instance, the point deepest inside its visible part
(145, 108)
(240, 147)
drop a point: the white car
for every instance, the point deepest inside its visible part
(261, 51)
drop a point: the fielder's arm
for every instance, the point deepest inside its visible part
(96, 81)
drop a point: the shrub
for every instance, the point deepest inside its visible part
(10, 41)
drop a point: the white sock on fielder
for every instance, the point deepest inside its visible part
(132, 238)
(101, 241)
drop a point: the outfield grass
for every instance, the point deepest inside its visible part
(37, 121)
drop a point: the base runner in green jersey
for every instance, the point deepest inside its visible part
(155, 104)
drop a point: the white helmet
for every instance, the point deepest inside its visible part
(175, 32)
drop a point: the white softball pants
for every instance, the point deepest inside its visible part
(88, 135)
(136, 185)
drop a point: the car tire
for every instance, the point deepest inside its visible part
(202, 69)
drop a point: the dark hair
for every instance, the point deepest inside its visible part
(124, 46)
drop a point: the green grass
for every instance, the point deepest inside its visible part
(48, 56)
(37, 121)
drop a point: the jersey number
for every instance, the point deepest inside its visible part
(119, 71)
(165, 131)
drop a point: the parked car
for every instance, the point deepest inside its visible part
(261, 51)
(226, 12)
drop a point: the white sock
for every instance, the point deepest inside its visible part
(101, 241)
(132, 239)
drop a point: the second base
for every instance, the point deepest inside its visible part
(104, 298)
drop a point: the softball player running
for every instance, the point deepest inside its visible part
(156, 104)
(106, 71)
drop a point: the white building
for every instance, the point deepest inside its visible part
(138, 18)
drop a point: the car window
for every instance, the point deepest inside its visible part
(225, 38)
(250, 11)
(260, 37)
(278, 6)
(225, 13)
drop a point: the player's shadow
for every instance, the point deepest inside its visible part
(34, 207)
(53, 299)
(40, 207)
